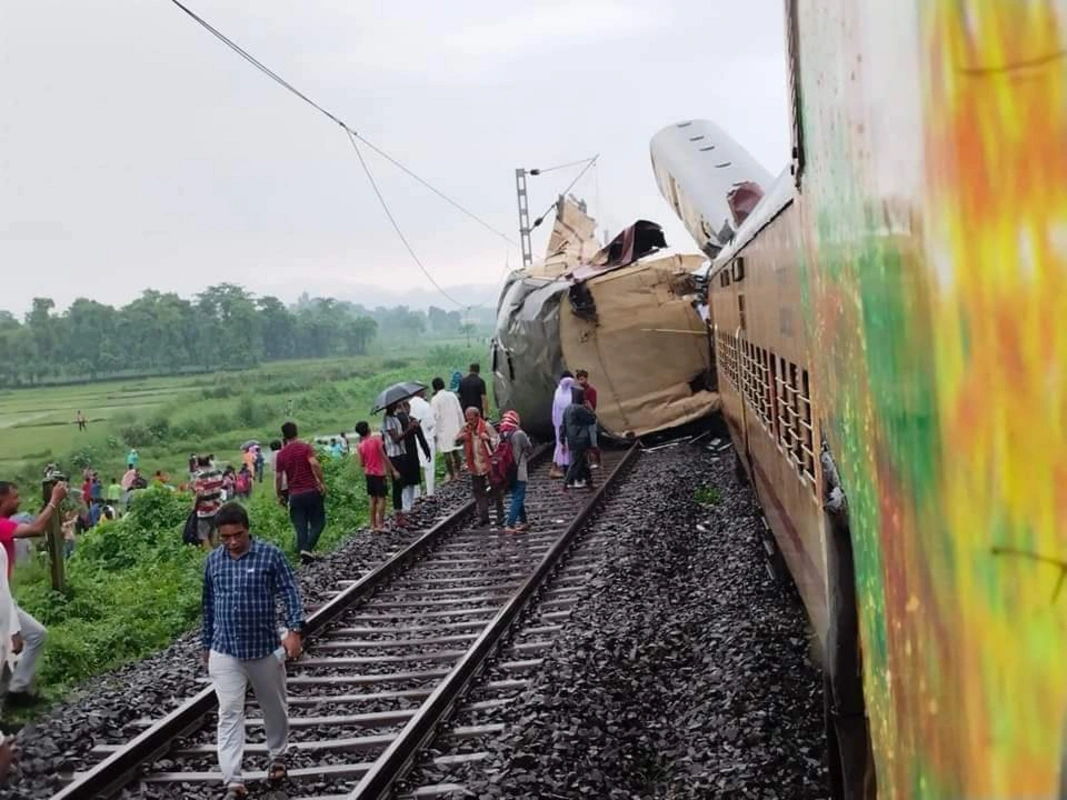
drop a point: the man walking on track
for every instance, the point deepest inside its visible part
(242, 581)
(423, 414)
(581, 377)
(448, 422)
(299, 484)
(520, 445)
(479, 439)
(472, 393)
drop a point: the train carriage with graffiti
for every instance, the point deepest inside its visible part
(892, 362)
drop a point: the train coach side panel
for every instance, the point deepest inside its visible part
(933, 193)
(767, 372)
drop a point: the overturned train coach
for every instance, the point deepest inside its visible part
(625, 313)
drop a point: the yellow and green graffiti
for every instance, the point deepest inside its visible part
(934, 204)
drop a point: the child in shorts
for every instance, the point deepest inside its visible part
(375, 465)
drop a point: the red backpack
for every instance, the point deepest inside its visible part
(502, 467)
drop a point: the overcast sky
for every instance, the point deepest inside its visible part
(137, 151)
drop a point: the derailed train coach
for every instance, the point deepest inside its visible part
(626, 313)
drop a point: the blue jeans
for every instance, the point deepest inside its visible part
(517, 511)
(308, 514)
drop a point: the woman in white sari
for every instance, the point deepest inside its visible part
(448, 422)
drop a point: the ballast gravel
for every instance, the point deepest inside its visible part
(684, 671)
(108, 709)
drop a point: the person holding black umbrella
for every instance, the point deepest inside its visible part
(395, 430)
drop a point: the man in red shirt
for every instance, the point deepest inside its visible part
(582, 378)
(31, 635)
(299, 483)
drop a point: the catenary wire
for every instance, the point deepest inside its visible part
(396, 226)
(347, 128)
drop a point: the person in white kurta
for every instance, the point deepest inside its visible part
(448, 417)
(422, 411)
(9, 628)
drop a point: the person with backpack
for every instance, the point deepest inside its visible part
(479, 440)
(512, 457)
(243, 483)
(577, 422)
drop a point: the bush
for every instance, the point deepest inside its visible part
(396, 363)
(252, 414)
(136, 434)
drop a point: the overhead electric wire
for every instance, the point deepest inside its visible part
(560, 166)
(352, 135)
(589, 162)
(396, 226)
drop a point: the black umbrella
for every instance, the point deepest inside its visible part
(396, 393)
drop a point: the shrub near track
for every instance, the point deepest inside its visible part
(133, 586)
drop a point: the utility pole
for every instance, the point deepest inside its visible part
(524, 218)
(55, 536)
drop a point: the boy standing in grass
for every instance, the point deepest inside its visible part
(375, 463)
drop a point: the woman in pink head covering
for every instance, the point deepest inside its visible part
(562, 398)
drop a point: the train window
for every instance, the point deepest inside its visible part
(772, 389)
(796, 451)
(722, 165)
(807, 431)
(741, 309)
(696, 138)
(707, 148)
(782, 388)
(492, 348)
(796, 105)
(511, 365)
(724, 278)
(738, 269)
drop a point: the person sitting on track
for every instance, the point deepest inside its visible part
(242, 580)
(478, 439)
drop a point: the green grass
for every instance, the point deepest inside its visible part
(708, 495)
(132, 585)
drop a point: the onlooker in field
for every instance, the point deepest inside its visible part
(31, 633)
(248, 459)
(393, 434)
(415, 448)
(561, 458)
(448, 422)
(80, 419)
(132, 458)
(8, 644)
(87, 489)
(479, 439)
(422, 413)
(257, 465)
(577, 420)
(299, 482)
(96, 510)
(128, 478)
(275, 446)
(453, 385)
(336, 450)
(114, 491)
(581, 377)
(96, 489)
(229, 480)
(512, 432)
(207, 486)
(243, 580)
(69, 521)
(243, 483)
(375, 464)
(472, 392)
(160, 478)
(193, 468)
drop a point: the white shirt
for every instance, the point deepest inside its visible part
(422, 411)
(9, 618)
(448, 420)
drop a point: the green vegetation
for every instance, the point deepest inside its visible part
(223, 327)
(133, 586)
(708, 495)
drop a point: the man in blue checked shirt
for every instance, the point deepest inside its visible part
(242, 580)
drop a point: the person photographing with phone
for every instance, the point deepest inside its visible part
(241, 643)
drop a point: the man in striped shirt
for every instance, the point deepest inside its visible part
(208, 488)
(242, 582)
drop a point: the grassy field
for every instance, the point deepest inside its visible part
(132, 585)
(169, 418)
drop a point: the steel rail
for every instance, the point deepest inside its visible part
(393, 764)
(116, 770)
(110, 775)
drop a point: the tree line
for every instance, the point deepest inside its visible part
(222, 327)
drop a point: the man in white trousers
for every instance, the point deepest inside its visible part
(9, 631)
(242, 580)
(32, 634)
(421, 410)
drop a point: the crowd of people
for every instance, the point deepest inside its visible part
(242, 645)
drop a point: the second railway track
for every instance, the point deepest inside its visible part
(388, 658)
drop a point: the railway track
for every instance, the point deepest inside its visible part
(388, 659)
